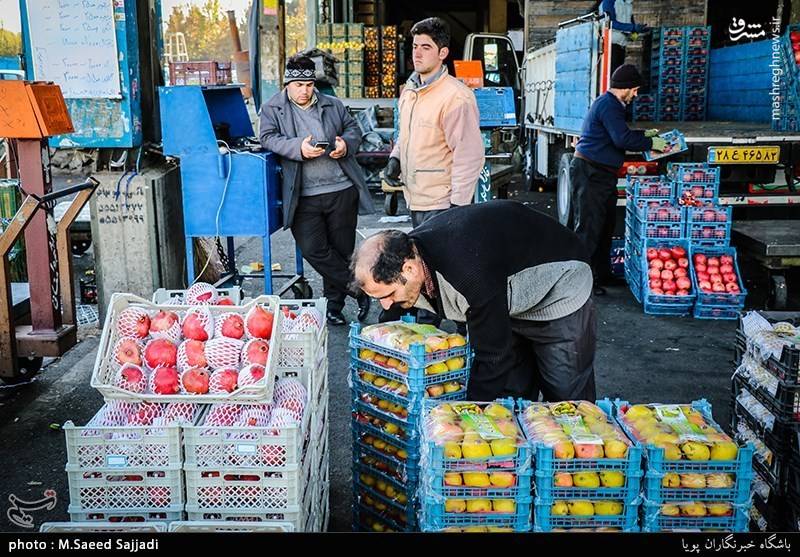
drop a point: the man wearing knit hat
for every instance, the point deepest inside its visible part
(599, 154)
(323, 186)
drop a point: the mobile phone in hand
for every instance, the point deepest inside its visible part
(321, 144)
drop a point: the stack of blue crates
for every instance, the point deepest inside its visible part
(561, 505)
(485, 490)
(696, 64)
(683, 494)
(389, 386)
(679, 63)
(789, 86)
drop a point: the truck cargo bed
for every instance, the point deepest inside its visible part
(710, 131)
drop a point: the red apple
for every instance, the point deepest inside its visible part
(657, 264)
(670, 265)
(704, 285)
(713, 261)
(683, 263)
(718, 287)
(667, 275)
(683, 283)
(680, 272)
(700, 267)
(677, 252)
(664, 255)
(655, 283)
(704, 277)
(733, 288)
(729, 277)
(699, 259)
(726, 260)
(669, 285)
(652, 253)
(725, 269)
(715, 278)
(654, 274)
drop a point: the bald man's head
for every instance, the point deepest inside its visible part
(387, 267)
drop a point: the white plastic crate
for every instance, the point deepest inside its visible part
(128, 518)
(207, 526)
(244, 489)
(162, 296)
(302, 344)
(107, 490)
(268, 448)
(106, 369)
(102, 527)
(99, 444)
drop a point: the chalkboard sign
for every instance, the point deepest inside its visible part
(74, 44)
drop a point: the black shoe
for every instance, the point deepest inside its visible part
(599, 291)
(335, 317)
(363, 306)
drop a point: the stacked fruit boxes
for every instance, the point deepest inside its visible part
(355, 60)
(388, 61)
(644, 108)
(475, 468)
(766, 411)
(667, 71)
(181, 413)
(789, 100)
(587, 472)
(394, 368)
(696, 477)
(372, 63)
(696, 64)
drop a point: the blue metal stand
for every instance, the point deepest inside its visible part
(226, 192)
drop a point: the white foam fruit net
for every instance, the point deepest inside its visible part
(251, 375)
(198, 324)
(133, 322)
(132, 378)
(230, 325)
(192, 353)
(173, 333)
(224, 380)
(223, 352)
(255, 351)
(201, 293)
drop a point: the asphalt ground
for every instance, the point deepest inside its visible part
(640, 358)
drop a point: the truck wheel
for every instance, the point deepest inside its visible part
(564, 191)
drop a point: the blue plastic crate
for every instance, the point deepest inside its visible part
(663, 304)
(401, 514)
(655, 493)
(656, 463)
(546, 465)
(414, 399)
(654, 521)
(649, 187)
(669, 90)
(407, 438)
(496, 106)
(634, 283)
(366, 402)
(415, 357)
(545, 521)
(658, 212)
(709, 233)
(434, 485)
(701, 173)
(392, 467)
(362, 513)
(434, 518)
(718, 305)
(433, 458)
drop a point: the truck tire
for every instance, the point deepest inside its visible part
(564, 191)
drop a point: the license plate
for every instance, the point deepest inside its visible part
(744, 155)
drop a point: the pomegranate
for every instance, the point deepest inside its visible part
(718, 287)
(683, 263)
(654, 274)
(194, 353)
(700, 259)
(669, 285)
(256, 352)
(657, 264)
(726, 260)
(251, 374)
(194, 325)
(225, 301)
(224, 380)
(131, 378)
(655, 283)
(667, 275)
(702, 276)
(725, 269)
(729, 277)
(259, 322)
(677, 252)
(195, 381)
(683, 283)
(163, 321)
(133, 322)
(232, 326)
(165, 381)
(664, 255)
(680, 272)
(713, 262)
(160, 352)
(128, 351)
(716, 278)
(670, 265)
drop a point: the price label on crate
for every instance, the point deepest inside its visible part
(674, 417)
(577, 430)
(470, 415)
(116, 461)
(246, 449)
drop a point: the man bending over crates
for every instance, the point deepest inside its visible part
(323, 186)
(599, 155)
(528, 305)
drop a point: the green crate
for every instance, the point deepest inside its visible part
(355, 54)
(340, 92)
(354, 67)
(355, 92)
(323, 31)
(339, 30)
(355, 31)
(355, 80)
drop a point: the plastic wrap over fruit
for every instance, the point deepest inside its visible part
(398, 335)
(386, 489)
(385, 449)
(383, 384)
(473, 430)
(697, 509)
(682, 431)
(574, 429)
(586, 509)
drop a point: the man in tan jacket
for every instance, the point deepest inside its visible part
(439, 153)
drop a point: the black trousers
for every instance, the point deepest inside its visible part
(556, 357)
(594, 202)
(324, 229)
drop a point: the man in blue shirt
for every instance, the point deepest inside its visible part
(599, 154)
(623, 27)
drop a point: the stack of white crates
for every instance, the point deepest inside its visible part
(211, 462)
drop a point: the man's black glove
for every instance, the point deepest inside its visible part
(391, 173)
